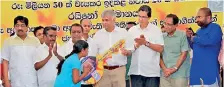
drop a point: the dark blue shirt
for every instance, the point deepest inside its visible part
(206, 46)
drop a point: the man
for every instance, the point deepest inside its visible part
(104, 39)
(17, 54)
(87, 25)
(38, 32)
(47, 58)
(175, 63)
(76, 32)
(128, 82)
(130, 24)
(145, 69)
(206, 46)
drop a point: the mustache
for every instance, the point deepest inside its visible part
(20, 30)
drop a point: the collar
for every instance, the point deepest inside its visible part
(175, 34)
(115, 29)
(147, 28)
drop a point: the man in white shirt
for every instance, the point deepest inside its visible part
(145, 69)
(76, 32)
(103, 40)
(47, 58)
(38, 32)
(87, 25)
(17, 53)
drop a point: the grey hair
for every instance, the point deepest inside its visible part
(108, 12)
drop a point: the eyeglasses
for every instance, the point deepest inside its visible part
(166, 24)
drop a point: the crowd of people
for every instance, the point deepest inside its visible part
(151, 56)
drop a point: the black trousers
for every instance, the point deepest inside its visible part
(86, 85)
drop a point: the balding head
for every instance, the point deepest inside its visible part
(206, 11)
(204, 17)
(86, 24)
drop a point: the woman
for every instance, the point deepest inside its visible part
(69, 70)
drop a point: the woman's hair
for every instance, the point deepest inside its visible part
(191, 30)
(77, 48)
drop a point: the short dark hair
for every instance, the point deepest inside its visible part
(46, 29)
(147, 9)
(174, 17)
(21, 19)
(36, 29)
(77, 25)
(132, 23)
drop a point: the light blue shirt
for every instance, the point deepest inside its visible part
(64, 79)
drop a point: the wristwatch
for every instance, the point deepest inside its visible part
(175, 68)
(147, 44)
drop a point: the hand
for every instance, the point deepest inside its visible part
(169, 71)
(6, 84)
(50, 50)
(86, 68)
(125, 52)
(55, 49)
(140, 41)
(166, 72)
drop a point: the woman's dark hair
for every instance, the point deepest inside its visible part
(191, 30)
(77, 48)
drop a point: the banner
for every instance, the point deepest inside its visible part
(62, 14)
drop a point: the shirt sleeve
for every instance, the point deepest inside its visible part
(190, 42)
(159, 40)
(75, 63)
(62, 50)
(37, 55)
(184, 43)
(94, 46)
(129, 44)
(211, 38)
(6, 50)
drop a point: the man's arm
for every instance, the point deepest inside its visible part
(184, 51)
(155, 47)
(181, 59)
(40, 64)
(162, 64)
(5, 65)
(211, 38)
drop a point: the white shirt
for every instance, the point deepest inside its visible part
(145, 61)
(48, 73)
(103, 41)
(20, 55)
(68, 47)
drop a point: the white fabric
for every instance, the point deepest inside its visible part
(145, 61)
(213, 85)
(47, 74)
(67, 48)
(103, 40)
(20, 55)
